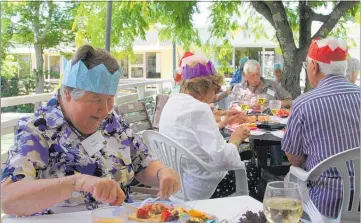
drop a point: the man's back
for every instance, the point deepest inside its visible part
(324, 122)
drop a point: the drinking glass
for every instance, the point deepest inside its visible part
(110, 214)
(262, 99)
(275, 106)
(245, 105)
(282, 202)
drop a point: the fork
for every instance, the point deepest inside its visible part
(148, 200)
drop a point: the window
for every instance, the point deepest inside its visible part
(54, 69)
(153, 65)
(137, 67)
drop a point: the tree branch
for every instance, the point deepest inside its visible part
(283, 29)
(263, 9)
(334, 17)
(319, 17)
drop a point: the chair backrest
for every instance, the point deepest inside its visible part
(349, 211)
(135, 114)
(171, 154)
(160, 102)
(149, 105)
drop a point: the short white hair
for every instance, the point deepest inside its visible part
(334, 67)
(251, 66)
(353, 65)
(75, 93)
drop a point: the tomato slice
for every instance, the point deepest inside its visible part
(165, 215)
(142, 213)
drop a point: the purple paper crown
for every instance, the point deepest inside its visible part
(199, 70)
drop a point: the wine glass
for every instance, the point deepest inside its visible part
(275, 106)
(282, 202)
(245, 105)
(261, 99)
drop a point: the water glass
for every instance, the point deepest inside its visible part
(275, 106)
(282, 202)
(110, 214)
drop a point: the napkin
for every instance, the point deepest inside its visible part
(278, 133)
(257, 132)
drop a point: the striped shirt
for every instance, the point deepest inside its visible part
(324, 122)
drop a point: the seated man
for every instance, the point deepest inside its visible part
(254, 84)
(324, 121)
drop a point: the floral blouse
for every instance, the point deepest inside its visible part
(47, 146)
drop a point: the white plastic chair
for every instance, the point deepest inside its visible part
(338, 161)
(172, 154)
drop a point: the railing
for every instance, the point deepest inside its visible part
(9, 122)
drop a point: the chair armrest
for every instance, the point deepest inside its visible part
(299, 173)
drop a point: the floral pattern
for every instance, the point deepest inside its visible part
(47, 146)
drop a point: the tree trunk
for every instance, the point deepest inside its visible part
(291, 73)
(39, 74)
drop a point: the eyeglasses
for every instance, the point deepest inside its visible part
(217, 87)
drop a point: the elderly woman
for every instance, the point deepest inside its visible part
(76, 153)
(255, 85)
(187, 118)
(277, 71)
(353, 69)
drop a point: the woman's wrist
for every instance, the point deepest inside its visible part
(159, 171)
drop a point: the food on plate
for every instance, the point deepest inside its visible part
(252, 119)
(251, 217)
(283, 113)
(252, 126)
(263, 118)
(158, 212)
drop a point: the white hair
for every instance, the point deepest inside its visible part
(75, 93)
(251, 66)
(353, 65)
(334, 67)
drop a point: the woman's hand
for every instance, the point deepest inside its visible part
(241, 133)
(234, 117)
(169, 182)
(103, 190)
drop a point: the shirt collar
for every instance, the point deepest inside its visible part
(329, 79)
(265, 82)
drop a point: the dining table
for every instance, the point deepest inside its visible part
(229, 209)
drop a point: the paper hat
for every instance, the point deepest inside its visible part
(278, 66)
(328, 50)
(243, 60)
(97, 80)
(197, 66)
(178, 70)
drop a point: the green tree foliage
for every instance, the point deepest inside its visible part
(292, 24)
(133, 19)
(42, 24)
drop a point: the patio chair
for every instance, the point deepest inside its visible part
(172, 154)
(160, 102)
(135, 114)
(349, 211)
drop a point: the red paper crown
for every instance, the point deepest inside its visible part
(328, 50)
(178, 73)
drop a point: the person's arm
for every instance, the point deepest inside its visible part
(222, 96)
(296, 160)
(210, 140)
(292, 142)
(287, 103)
(27, 197)
(284, 96)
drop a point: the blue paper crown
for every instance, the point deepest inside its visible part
(278, 66)
(97, 80)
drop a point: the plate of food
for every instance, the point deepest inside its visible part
(166, 211)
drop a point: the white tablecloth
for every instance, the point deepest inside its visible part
(230, 208)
